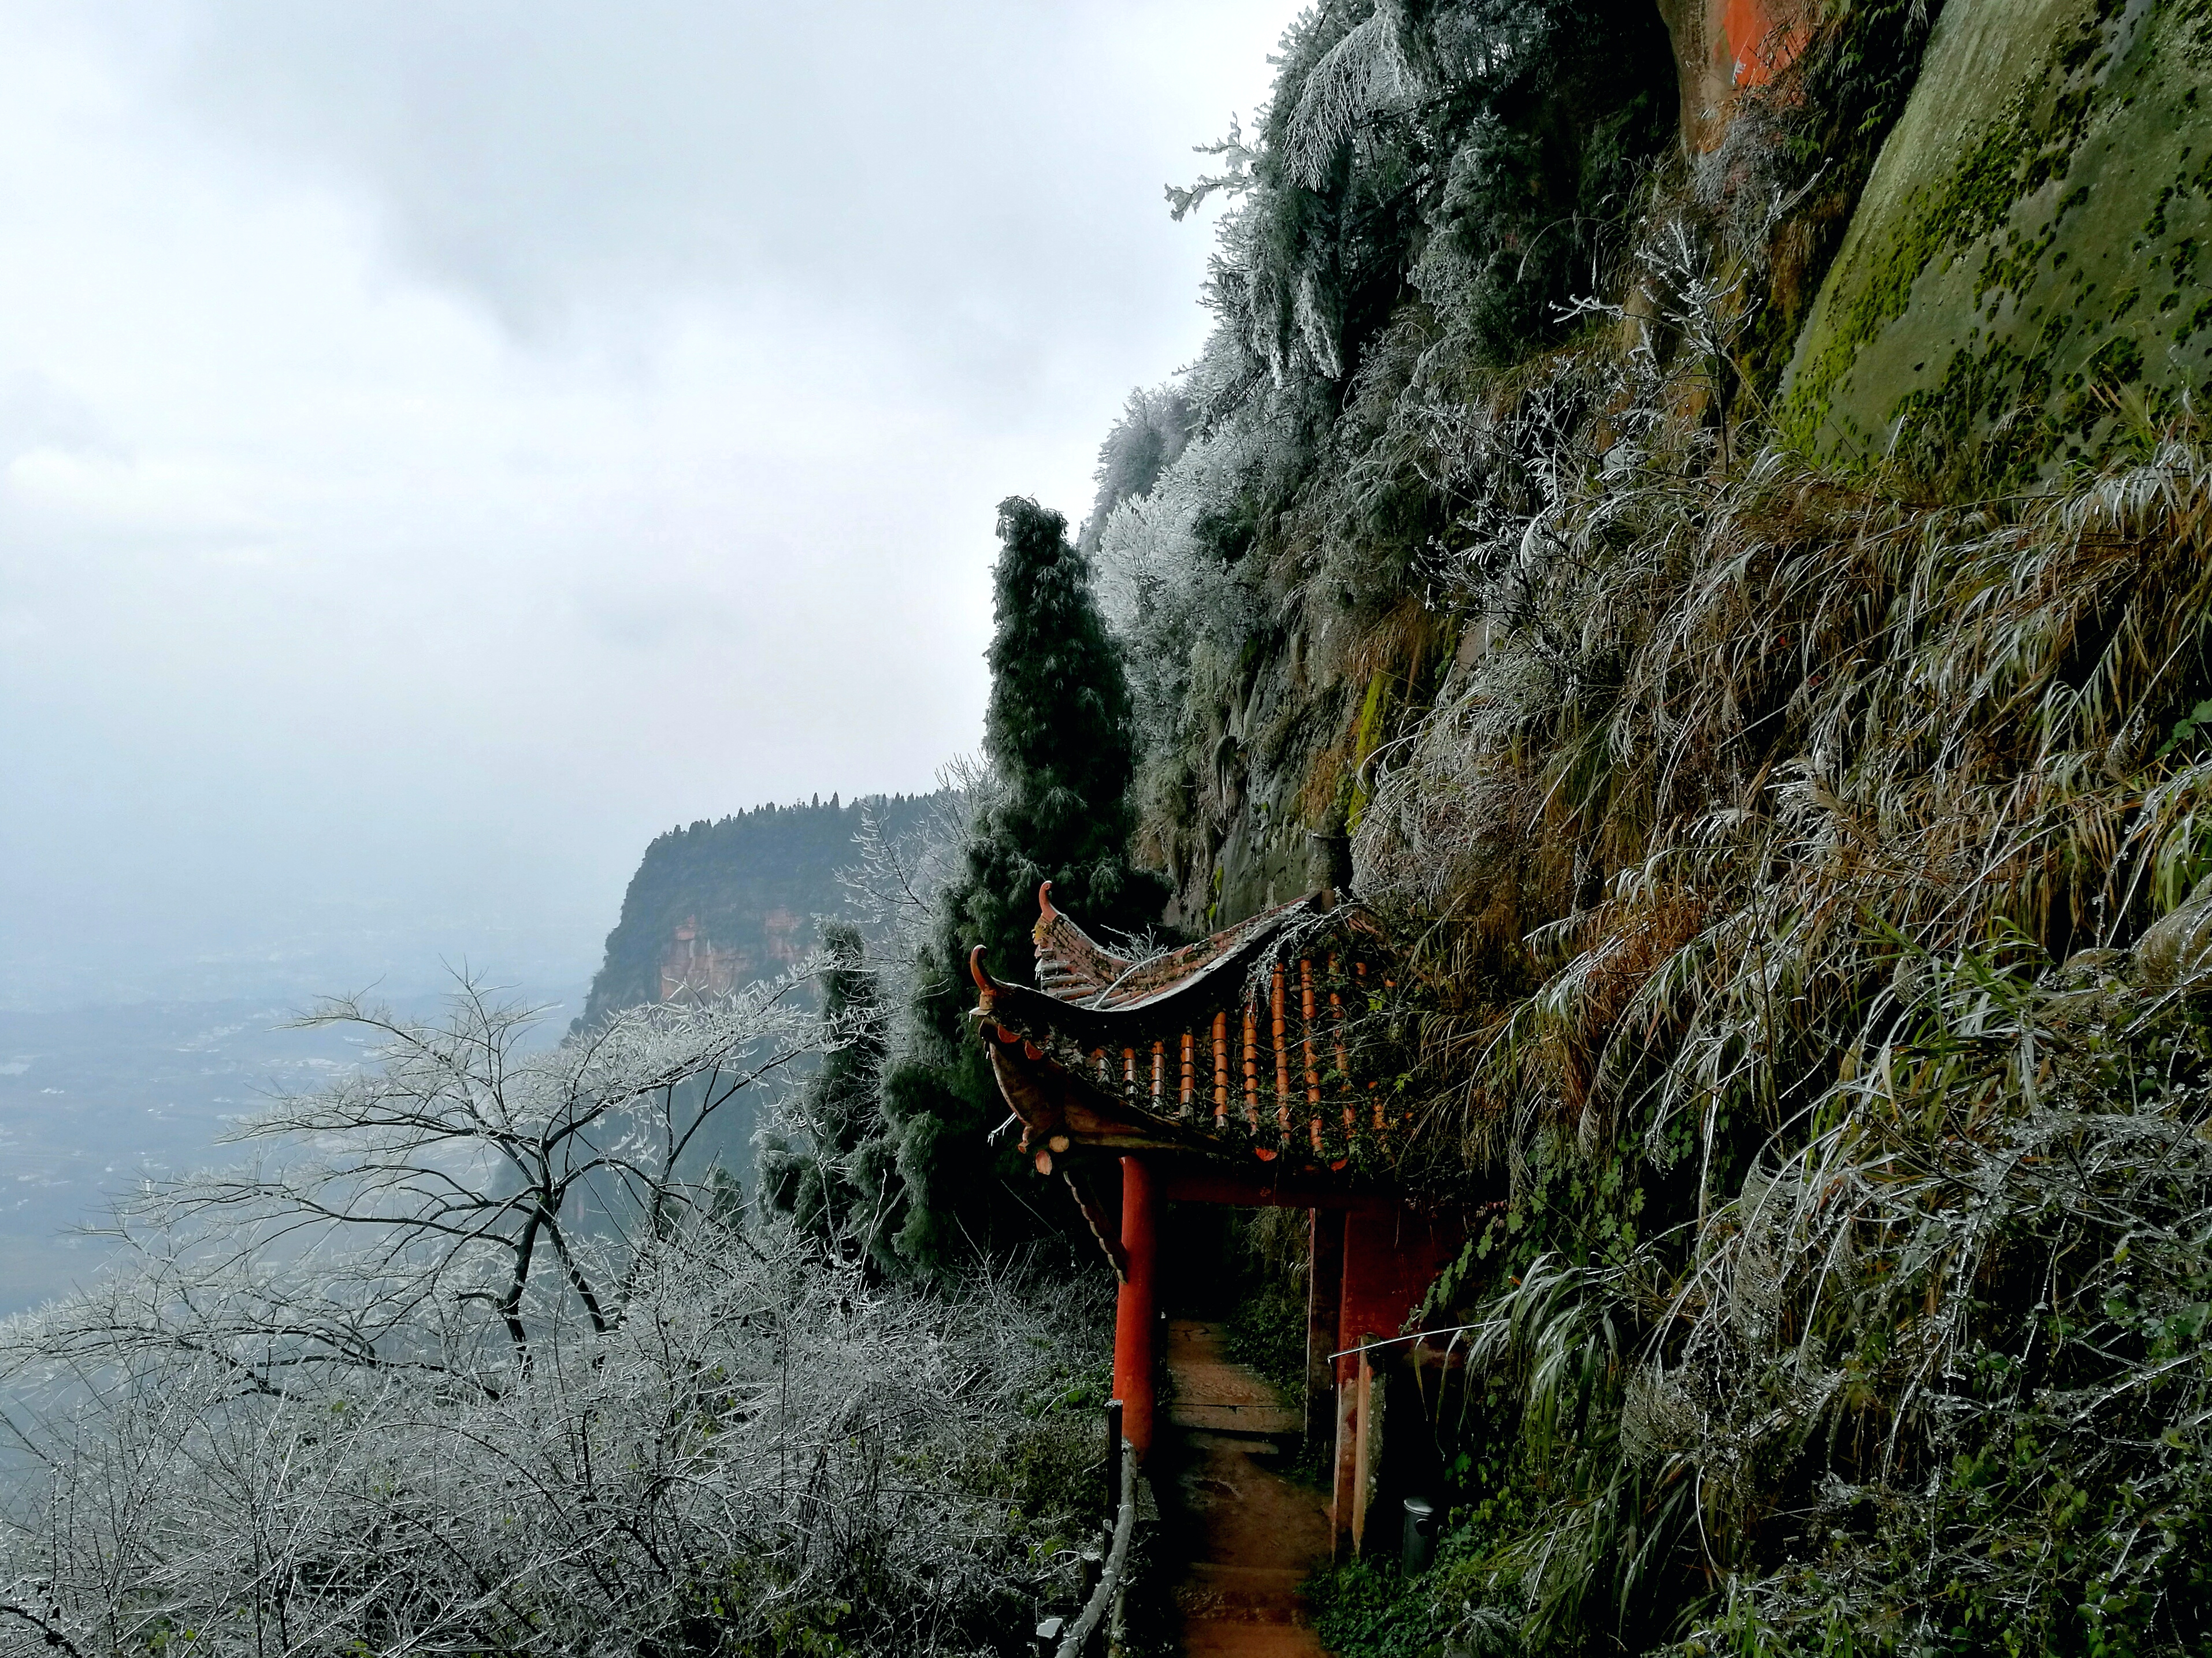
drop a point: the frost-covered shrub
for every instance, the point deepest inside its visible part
(767, 1454)
(1168, 581)
(472, 1362)
(1154, 427)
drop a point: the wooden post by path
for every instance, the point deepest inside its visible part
(1113, 1493)
(1367, 1445)
(1324, 1300)
(1343, 1485)
(1136, 1318)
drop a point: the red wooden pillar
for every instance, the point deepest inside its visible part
(1136, 1314)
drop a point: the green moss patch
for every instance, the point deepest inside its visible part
(2022, 289)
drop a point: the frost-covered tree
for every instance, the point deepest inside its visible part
(469, 1176)
(1057, 733)
(288, 1416)
(1170, 587)
(771, 1453)
(1474, 154)
(815, 1166)
(892, 887)
(1144, 442)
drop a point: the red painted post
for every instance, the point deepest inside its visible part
(1136, 1314)
(1324, 1301)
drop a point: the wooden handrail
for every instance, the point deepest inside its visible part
(1072, 1644)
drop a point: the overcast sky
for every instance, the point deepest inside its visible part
(442, 445)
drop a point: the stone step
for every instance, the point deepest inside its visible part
(1235, 1419)
(1252, 1593)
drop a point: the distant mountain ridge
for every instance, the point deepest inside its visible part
(719, 904)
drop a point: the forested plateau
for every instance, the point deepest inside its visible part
(717, 904)
(1710, 498)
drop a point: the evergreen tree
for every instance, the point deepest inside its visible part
(815, 1170)
(1059, 733)
(1154, 430)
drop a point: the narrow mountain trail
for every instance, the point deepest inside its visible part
(1247, 1535)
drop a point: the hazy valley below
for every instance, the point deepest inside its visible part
(92, 1098)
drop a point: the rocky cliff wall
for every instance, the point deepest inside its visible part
(718, 905)
(2021, 285)
(2018, 286)
(1724, 46)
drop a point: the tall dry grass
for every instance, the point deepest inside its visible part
(1777, 736)
(1791, 852)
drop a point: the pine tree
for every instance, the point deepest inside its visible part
(1059, 733)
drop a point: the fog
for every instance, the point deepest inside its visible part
(441, 447)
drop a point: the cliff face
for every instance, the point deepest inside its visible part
(2012, 282)
(2022, 285)
(1772, 706)
(1722, 46)
(718, 905)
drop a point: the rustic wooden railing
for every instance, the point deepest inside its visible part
(1079, 1639)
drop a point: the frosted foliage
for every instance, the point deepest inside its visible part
(766, 1446)
(1489, 40)
(1164, 590)
(892, 886)
(469, 1362)
(1154, 427)
(1361, 75)
(1471, 146)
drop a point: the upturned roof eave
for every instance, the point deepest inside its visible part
(1057, 1105)
(1241, 942)
(1064, 1112)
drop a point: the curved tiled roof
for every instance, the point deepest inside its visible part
(1252, 1042)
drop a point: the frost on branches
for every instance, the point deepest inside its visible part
(474, 1359)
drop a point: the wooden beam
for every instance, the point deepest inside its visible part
(1263, 1188)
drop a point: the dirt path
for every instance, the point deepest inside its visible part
(1249, 1535)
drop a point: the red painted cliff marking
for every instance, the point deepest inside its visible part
(1761, 45)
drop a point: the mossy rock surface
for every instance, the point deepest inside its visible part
(1262, 865)
(2027, 281)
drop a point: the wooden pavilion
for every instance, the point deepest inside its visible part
(1246, 1069)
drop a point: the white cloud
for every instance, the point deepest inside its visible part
(441, 446)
